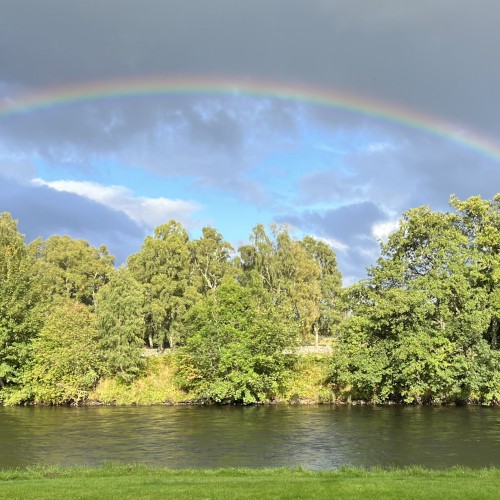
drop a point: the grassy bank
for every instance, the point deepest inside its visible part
(157, 385)
(141, 482)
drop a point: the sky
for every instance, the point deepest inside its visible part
(330, 116)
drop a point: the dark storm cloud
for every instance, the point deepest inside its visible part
(427, 54)
(435, 56)
(42, 212)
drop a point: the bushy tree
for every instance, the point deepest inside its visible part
(291, 272)
(72, 268)
(424, 314)
(236, 348)
(20, 305)
(66, 361)
(163, 268)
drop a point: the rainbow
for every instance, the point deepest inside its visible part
(170, 85)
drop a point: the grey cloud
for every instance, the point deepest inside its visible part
(427, 54)
(350, 225)
(329, 185)
(42, 212)
(416, 168)
(434, 56)
(21, 171)
(215, 141)
(216, 130)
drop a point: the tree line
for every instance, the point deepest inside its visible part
(421, 328)
(69, 318)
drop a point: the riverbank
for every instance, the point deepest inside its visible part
(142, 482)
(157, 385)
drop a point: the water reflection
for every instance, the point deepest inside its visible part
(314, 437)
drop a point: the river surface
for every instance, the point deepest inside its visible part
(315, 437)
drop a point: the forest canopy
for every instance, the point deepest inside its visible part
(423, 327)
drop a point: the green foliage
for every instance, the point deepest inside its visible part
(330, 282)
(235, 349)
(423, 326)
(20, 306)
(309, 381)
(121, 325)
(65, 364)
(163, 268)
(302, 275)
(156, 384)
(72, 268)
(210, 260)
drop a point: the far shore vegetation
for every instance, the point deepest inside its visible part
(226, 326)
(139, 481)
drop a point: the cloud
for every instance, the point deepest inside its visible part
(416, 169)
(430, 56)
(333, 243)
(146, 212)
(20, 170)
(43, 211)
(383, 230)
(214, 141)
(349, 229)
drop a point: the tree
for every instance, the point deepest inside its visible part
(121, 325)
(330, 281)
(479, 221)
(236, 346)
(288, 272)
(20, 305)
(424, 312)
(163, 268)
(210, 259)
(66, 364)
(72, 268)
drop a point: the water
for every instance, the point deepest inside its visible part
(315, 437)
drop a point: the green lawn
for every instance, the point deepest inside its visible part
(140, 482)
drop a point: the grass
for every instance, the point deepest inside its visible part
(157, 385)
(141, 482)
(308, 384)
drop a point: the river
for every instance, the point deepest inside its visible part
(315, 437)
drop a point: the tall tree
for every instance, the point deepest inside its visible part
(479, 220)
(288, 272)
(330, 281)
(163, 268)
(121, 325)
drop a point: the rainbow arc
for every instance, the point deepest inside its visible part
(150, 86)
